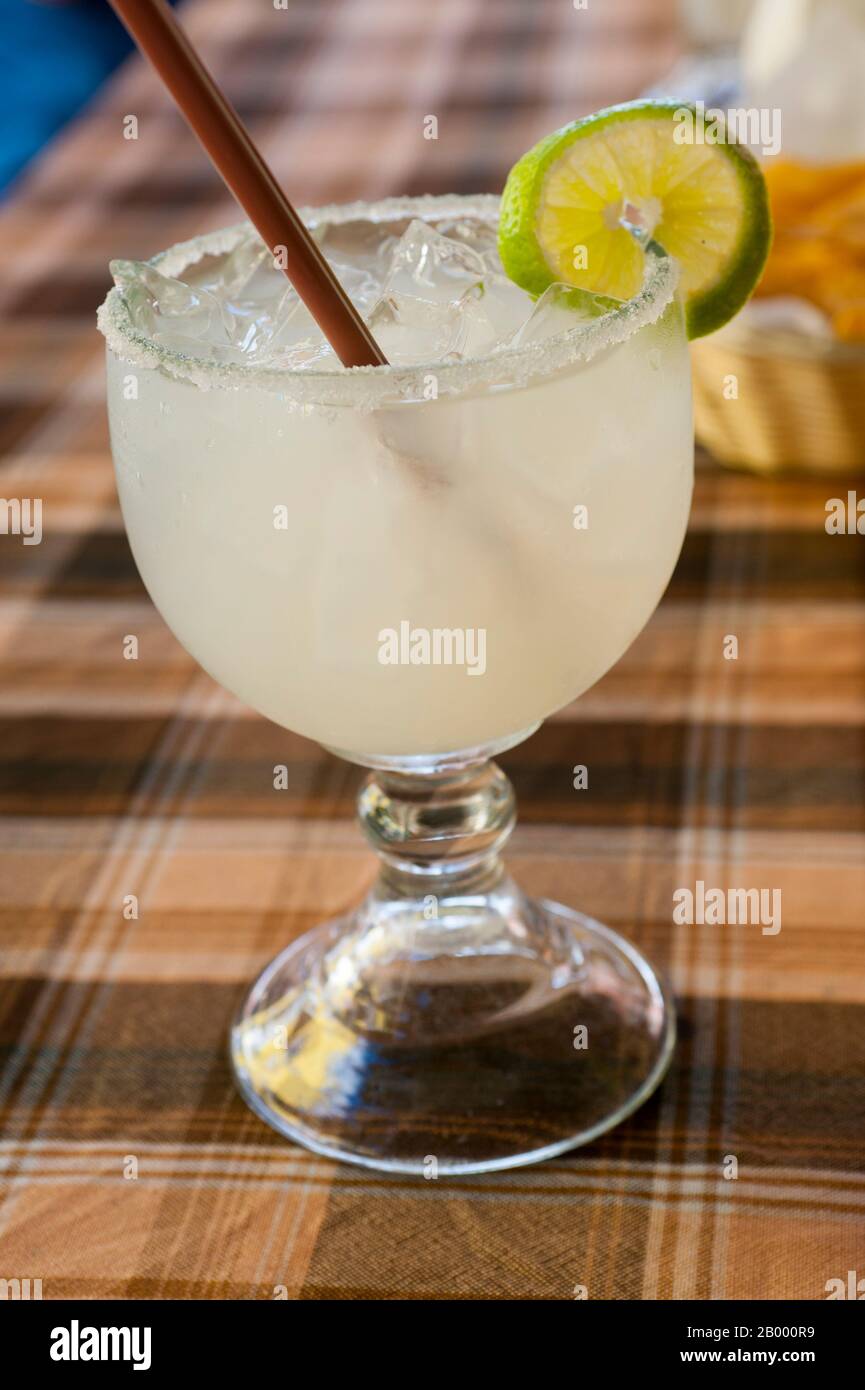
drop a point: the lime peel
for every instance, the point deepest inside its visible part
(706, 204)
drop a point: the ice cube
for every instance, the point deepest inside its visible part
(434, 267)
(480, 236)
(302, 356)
(504, 307)
(170, 311)
(411, 330)
(361, 285)
(265, 316)
(266, 325)
(286, 336)
(481, 317)
(473, 232)
(254, 325)
(256, 295)
(241, 274)
(493, 261)
(559, 308)
(360, 243)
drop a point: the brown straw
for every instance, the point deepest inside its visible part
(218, 126)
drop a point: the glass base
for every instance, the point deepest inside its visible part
(435, 1036)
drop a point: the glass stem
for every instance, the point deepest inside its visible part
(438, 833)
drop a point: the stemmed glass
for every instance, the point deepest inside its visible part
(414, 567)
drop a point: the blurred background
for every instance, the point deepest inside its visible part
(304, 73)
(58, 54)
(55, 54)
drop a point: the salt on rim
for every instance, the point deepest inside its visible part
(368, 388)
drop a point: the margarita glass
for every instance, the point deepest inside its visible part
(414, 565)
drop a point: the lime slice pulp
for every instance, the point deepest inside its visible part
(654, 165)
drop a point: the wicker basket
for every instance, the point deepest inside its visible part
(800, 403)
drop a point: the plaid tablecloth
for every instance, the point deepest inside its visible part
(129, 1166)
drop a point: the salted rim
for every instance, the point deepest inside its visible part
(369, 387)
